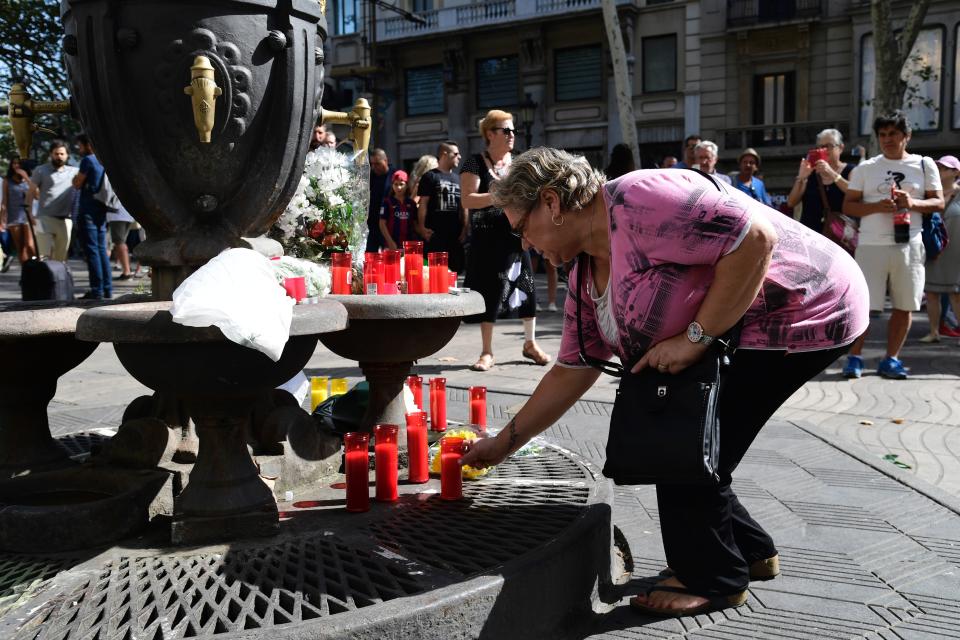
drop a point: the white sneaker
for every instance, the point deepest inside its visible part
(552, 307)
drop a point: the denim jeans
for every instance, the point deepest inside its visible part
(93, 235)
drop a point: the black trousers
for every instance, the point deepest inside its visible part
(709, 538)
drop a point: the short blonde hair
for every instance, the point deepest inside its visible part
(571, 177)
(489, 122)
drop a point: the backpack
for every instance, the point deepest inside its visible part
(106, 196)
(934, 232)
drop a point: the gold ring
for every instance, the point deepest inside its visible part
(661, 366)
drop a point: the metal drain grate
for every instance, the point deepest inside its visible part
(495, 523)
(21, 574)
(76, 444)
(549, 464)
(173, 597)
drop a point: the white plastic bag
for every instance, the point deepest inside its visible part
(237, 292)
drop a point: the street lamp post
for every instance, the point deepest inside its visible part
(528, 111)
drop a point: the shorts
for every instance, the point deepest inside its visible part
(900, 265)
(118, 231)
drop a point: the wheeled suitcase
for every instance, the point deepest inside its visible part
(45, 279)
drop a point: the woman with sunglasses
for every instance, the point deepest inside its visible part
(498, 265)
(675, 258)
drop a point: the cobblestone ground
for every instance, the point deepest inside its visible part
(869, 549)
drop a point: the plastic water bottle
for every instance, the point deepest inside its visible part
(901, 222)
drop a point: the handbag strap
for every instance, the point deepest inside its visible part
(823, 196)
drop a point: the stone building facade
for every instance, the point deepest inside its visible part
(763, 73)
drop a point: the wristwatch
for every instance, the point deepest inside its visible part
(696, 335)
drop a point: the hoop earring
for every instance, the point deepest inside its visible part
(553, 219)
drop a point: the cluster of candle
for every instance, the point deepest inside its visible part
(382, 272)
(357, 463)
(322, 387)
(356, 446)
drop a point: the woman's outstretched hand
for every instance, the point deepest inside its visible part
(672, 355)
(485, 452)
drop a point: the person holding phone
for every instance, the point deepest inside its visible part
(822, 167)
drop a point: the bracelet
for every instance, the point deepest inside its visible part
(799, 179)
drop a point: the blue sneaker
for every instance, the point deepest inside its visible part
(854, 367)
(892, 368)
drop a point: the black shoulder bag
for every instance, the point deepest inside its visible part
(664, 428)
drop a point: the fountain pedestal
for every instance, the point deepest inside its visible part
(387, 334)
(219, 382)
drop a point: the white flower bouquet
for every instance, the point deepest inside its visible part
(328, 212)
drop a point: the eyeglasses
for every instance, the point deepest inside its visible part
(507, 131)
(827, 146)
(518, 230)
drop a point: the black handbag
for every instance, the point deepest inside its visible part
(664, 428)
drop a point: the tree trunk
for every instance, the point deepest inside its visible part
(891, 51)
(621, 79)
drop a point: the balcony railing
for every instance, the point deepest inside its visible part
(480, 14)
(742, 13)
(786, 134)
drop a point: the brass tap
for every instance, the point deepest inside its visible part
(203, 91)
(21, 109)
(359, 120)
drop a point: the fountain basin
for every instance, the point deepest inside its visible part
(220, 383)
(39, 337)
(387, 334)
(78, 508)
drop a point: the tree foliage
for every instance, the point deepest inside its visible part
(31, 49)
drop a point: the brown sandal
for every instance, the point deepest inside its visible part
(483, 363)
(538, 356)
(713, 603)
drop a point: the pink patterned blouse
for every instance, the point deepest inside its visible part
(668, 228)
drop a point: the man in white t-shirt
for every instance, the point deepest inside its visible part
(880, 191)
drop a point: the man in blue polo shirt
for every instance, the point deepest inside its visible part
(92, 222)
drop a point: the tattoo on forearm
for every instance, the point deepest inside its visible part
(513, 434)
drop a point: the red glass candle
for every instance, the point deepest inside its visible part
(341, 273)
(439, 279)
(413, 265)
(415, 383)
(372, 273)
(451, 477)
(438, 404)
(453, 279)
(391, 270)
(419, 471)
(357, 466)
(478, 407)
(386, 461)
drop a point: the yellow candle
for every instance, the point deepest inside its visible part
(318, 391)
(338, 386)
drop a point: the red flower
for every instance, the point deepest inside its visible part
(317, 229)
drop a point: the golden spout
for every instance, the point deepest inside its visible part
(21, 109)
(203, 91)
(359, 120)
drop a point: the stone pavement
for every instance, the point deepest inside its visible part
(868, 549)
